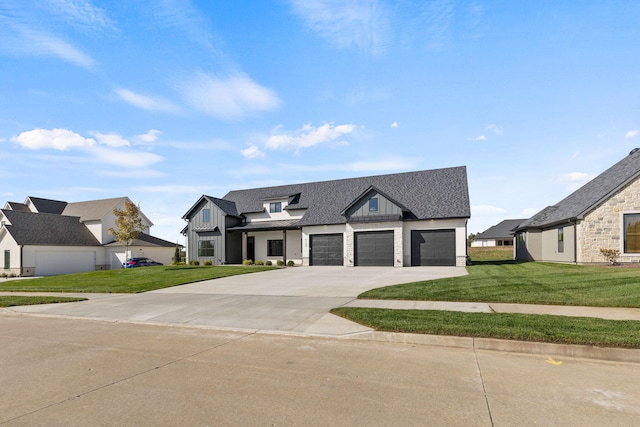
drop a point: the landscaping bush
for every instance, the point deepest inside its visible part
(611, 255)
(194, 262)
(290, 263)
(269, 263)
(259, 262)
(208, 262)
(247, 262)
(280, 263)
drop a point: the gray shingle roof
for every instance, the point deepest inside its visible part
(146, 240)
(47, 205)
(92, 210)
(28, 228)
(267, 225)
(429, 194)
(501, 230)
(590, 195)
(18, 207)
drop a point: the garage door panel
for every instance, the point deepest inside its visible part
(49, 263)
(326, 249)
(433, 248)
(374, 248)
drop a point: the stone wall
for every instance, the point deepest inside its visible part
(602, 228)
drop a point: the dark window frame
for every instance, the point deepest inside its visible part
(631, 231)
(560, 239)
(373, 204)
(275, 247)
(275, 207)
(209, 250)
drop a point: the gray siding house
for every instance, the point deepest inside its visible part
(413, 218)
(604, 213)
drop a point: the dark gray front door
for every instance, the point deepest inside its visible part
(433, 247)
(374, 248)
(251, 248)
(326, 249)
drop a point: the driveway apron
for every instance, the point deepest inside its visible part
(295, 300)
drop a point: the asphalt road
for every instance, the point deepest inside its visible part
(80, 372)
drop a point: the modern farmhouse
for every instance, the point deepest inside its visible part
(404, 219)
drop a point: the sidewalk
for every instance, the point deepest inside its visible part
(610, 313)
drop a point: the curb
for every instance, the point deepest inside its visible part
(508, 346)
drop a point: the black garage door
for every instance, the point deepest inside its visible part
(374, 248)
(326, 249)
(433, 247)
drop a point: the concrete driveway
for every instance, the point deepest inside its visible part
(294, 300)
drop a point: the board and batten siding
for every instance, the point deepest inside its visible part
(386, 208)
(201, 230)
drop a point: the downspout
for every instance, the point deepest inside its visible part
(21, 267)
(575, 241)
(284, 246)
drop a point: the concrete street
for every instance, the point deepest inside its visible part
(78, 372)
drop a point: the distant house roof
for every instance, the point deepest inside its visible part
(92, 210)
(18, 207)
(590, 195)
(47, 205)
(146, 240)
(501, 230)
(30, 228)
(429, 194)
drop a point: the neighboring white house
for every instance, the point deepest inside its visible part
(500, 234)
(404, 219)
(602, 214)
(49, 237)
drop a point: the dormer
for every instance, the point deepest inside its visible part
(275, 206)
(373, 206)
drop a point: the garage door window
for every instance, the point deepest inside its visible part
(274, 248)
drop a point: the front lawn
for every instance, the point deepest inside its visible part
(129, 280)
(527, 283)
(523, 327)
(14, 300)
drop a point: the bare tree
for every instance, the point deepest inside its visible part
(128, 225)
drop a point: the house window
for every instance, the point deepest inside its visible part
(561, 239)
(631, 233)
(275, 207)
(274, 248)
(7, 259)
(205, 248)
(206, 215)
(373, 204)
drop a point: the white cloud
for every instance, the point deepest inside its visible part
(495, 129)
(394, 124)
(632, 133)
(57, 139)
(39, 43)
(308, 136)
(111, 139)
(360, 23)
(228, 98)
(575, 180)
(81, 13)
(252, 152)
(481, 138)
(146, 102)
(149, 137)
(110, 149)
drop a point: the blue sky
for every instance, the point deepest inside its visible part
(163, 101)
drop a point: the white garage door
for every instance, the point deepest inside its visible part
(54, 263)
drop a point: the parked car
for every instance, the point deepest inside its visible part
(140, 262)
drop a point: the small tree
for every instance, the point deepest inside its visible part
(128, 225)
(611, 255)
(177, 255)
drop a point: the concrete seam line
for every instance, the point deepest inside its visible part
(484, 388)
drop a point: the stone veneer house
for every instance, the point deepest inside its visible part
(604, 213)
(413, 218)
(43, 237)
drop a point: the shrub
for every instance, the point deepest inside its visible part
(259, 262)
(208, 262)
(268, 263)
(247, 262)
(194, 262)
(611, 255)
(290, 263)
(280, 263)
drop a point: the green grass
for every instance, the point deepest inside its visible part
(527, 283)
(11, 301)
(491, 253)
(524, 327)
(130, 280)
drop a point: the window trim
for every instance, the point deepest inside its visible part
(560, 239)
(623, 233)
(206, 215)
